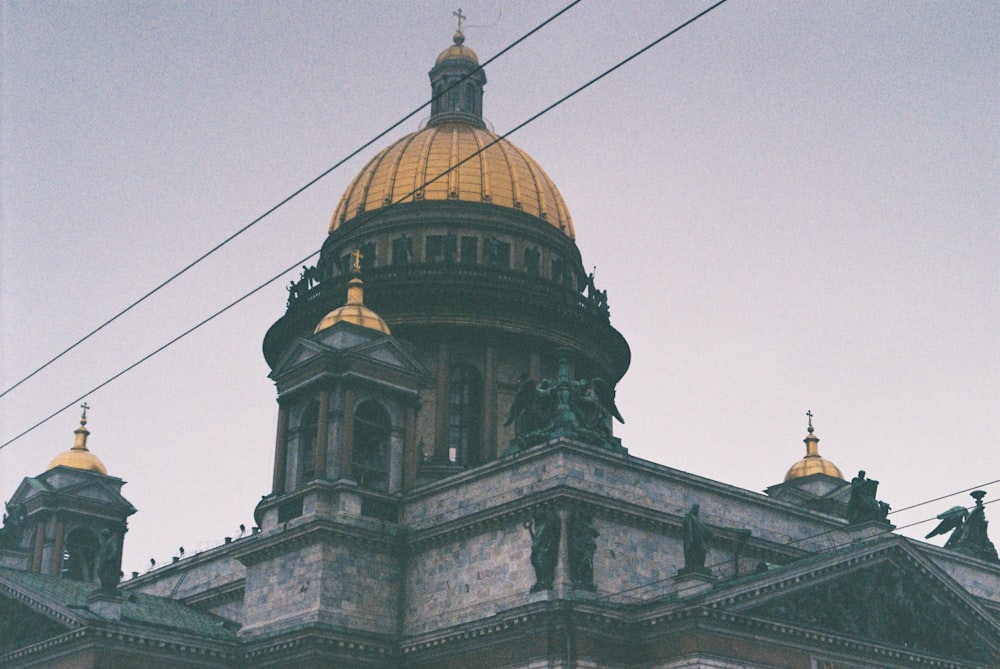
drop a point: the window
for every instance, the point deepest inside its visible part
(558, 269)
(470, 97)
(401, 251)
(441, 248)
(370, 456)
(80, 556)
(465, 403)
(531, 261)
(308, 429)
(497, 253)
(470, 250)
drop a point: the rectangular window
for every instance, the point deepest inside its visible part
(531, 261)
(558, 269)
(441, 248)
(470, 250)
(497, 253)
(401, 251)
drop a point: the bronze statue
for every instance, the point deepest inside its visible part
(544, 531)
(968, 530)
(581, 535)
(696, 537)
(108, 561)
(862, 506)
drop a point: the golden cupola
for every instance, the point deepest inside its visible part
(79, 457)
(354, 311)
(813, 462)
(455, 156)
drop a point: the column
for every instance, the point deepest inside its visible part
(55, 568)
(347, 442)
(410, 456)
(322, 433)
(280, 452)
(561, 583)
(490, 405)
(442, 407)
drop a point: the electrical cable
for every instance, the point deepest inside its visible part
(429, 181)
(287, 199)
(162, 347)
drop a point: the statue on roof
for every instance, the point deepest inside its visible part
(968, 530)
(581, 540)
(696, 537)
(862, 507)
(109, 561)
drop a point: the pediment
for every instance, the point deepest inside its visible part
(302, 351)
(886, 594)
(30, 613)
(389, 351)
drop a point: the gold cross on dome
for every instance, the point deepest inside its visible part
(810, 414)
(461, 17)
(356, 257)
(84, 406)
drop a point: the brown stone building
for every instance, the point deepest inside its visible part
(448, 491)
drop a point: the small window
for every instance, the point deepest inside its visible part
(308, 432)
(558, 269)
(402, 251)
(441, 248)
(465, 399)
(370, 456)
(470, 250)
(531, 261)
(497, 253)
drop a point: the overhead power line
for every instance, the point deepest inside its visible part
(521, 125)
(284, 201)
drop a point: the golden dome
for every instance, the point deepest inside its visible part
(502, 174)
(355, 310)
(813, 462)
(457, 51)
(79, 457)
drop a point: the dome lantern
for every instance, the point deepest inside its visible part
(354, 310)
(457, 83)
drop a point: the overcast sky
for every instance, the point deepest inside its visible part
(792, 205)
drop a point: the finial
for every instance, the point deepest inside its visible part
(809, 413)
(356, 257)
(461, 17)
(80, 442)
(83, 418)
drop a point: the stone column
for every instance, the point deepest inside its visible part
(442, 407)
(280, 452)
(55, 568)
(490, 405)
(561, 583)
(411, 458)
(347, 442)
(39, 547)
(322, 433)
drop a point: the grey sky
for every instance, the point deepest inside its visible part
(792, 205)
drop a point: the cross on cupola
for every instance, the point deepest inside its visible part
(461, 17)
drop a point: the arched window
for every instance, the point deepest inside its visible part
(370, 454)
(465, 404)
(308, 429)
(80, 556)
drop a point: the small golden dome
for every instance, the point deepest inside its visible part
(458, 51)
(813, 462)
(502, 175)
(355, 310)
(79, 457)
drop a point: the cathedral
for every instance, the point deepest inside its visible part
(448, 490)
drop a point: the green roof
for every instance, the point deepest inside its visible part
(161, 613)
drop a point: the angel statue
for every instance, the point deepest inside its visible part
(532, 406)
(968, 530)
(595, 404)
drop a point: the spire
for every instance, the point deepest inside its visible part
(80, 443)
(457, 83)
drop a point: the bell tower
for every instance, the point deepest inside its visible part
(58, 522)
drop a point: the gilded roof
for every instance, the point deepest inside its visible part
(79, 457)
(355, 310)
(813, 462)
(417, 166)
